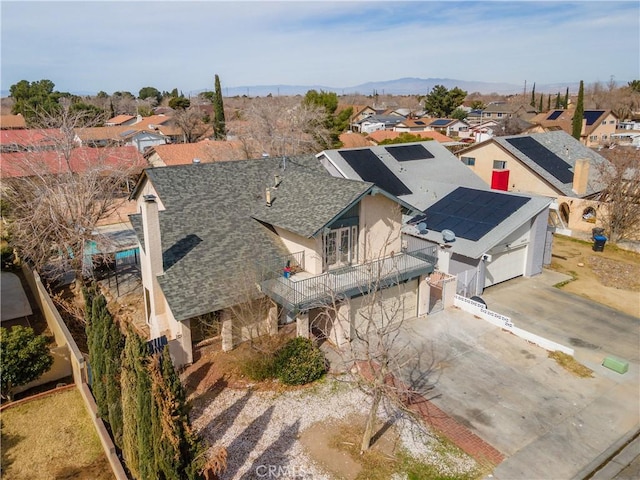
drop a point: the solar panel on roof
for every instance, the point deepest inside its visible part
(419, 122)
(404, 153)
(592, 116)
(471, 213)
(440, 123)
(543, 157)
(371, 169)
(554, 115)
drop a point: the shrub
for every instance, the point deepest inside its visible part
(299, 361)
(6, 257)
(258, 367)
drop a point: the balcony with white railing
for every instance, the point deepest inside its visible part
(286, 282)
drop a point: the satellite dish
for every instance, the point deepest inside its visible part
(448, 236)
(422, 228)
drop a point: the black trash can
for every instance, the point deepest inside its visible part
(598, 243)
(598, 231)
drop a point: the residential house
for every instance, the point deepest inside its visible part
(210, 232)
(10, 122)
(597, 125)
(119, 136)
(121, 120)
(483, 237)
(24, 140)
(503, 110)
(412, 125)
(376, 122)
(483, 131)
(553, 164)
(205, 151)
(450, 127)
(359, 112)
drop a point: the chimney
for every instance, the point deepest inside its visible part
(580, 176)
(267, 196)
(152, 240)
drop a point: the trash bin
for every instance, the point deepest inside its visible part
(598, 231)
(598, 243)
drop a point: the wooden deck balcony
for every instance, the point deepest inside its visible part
(303, 290)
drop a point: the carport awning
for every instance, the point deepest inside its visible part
(15, 303)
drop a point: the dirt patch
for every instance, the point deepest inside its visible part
(610, 277)
(336, 446)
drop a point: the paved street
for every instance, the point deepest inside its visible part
(548, 423)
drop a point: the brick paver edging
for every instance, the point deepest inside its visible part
(440, 421)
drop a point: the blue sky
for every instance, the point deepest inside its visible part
(92, 45)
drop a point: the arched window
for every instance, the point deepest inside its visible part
(589, 215)
(564, 213)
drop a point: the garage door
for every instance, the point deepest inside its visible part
(505, 266)
(398, 303)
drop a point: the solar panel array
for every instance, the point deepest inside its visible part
(592, 116)
(440, 122)
(554, 115)
(419, 122)
(371, 169)
(471, 213)
(404, 153)
(543, 157)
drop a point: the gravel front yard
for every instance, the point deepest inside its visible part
(261, 430)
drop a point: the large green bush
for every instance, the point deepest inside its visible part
(299, 361)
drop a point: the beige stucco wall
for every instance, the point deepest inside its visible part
(521, 179)
(380, 224)
(577, 207)
(602, 132)
(312, 248)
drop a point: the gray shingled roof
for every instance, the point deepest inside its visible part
(211, 239)
(568, 149)
(305, 202)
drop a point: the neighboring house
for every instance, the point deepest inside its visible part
(377, 122)
(597, 125)
(10, 122)
(450, 127)
(350, 139)
(209, 233)
(502, 110)
(483, 131)
(498, 236)
(23, 140)
(120, 136)
(626, 138)
(121, 120)
(381, 135)
(553, 164)
(359, 112)
(206, 151)
(412, 125)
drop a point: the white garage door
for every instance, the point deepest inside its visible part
(505, 266)
(397, 303)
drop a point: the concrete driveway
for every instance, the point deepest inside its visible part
(547, 422)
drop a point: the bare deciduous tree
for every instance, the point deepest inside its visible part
(620, 213)
(57, 197)
(191, 124)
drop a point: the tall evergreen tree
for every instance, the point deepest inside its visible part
(579, 113)
(115, 344)
(540, 104)
(533, 96)
(219, 123)
(557, 101)
(96, 339)
(566, 99)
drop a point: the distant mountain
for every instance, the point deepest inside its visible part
(401, 86)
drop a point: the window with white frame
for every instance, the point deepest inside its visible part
(499, 164)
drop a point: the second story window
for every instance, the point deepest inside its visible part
(499, 164)
(470, 161)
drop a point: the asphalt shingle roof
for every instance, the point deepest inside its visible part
(211, 239)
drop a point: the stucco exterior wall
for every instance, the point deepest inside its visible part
(577, 208)
(312, 248)
(380, 225)
(521, 179)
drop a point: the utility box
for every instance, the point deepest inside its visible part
(616, 364)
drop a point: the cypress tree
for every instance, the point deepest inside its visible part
(579, 113)
(566, 99)
(113, 389)
(548, 102)
(97, 354)
(540, 104)
(219, 123)
(558, 101)
(131, 363)
(147, 464)
(533, 96)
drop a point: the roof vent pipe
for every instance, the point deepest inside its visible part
(196, 161)
(277, 181)
(267, 197)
